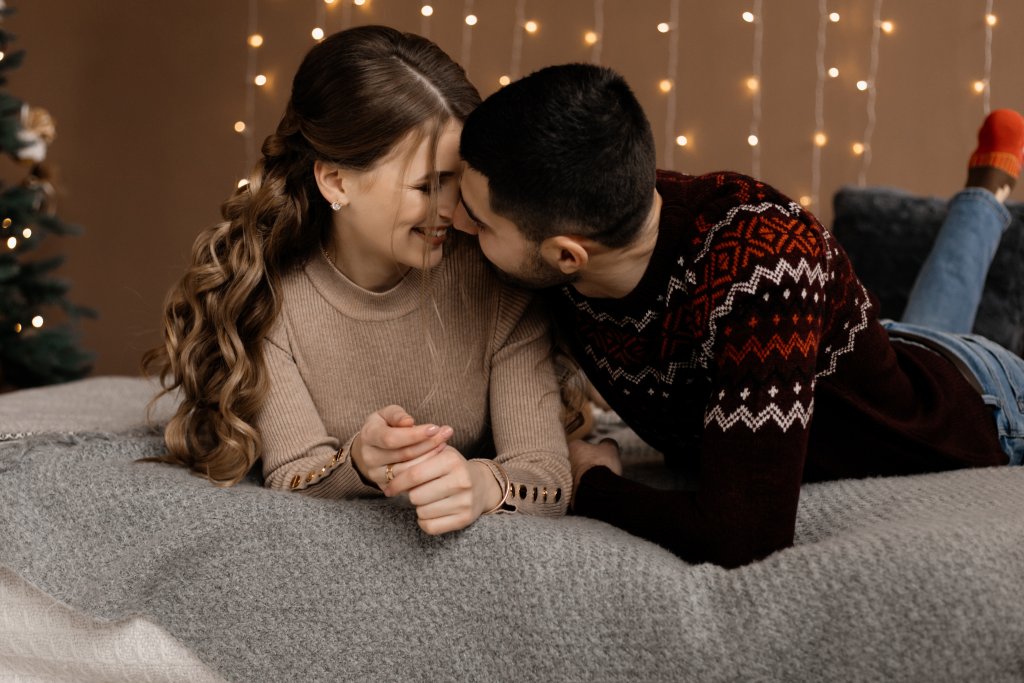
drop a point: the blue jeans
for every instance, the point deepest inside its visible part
(944, 300)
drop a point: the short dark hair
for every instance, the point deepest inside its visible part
(568, 148)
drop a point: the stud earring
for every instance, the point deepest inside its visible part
(336, 206)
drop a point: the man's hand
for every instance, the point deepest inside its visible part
(583, 456)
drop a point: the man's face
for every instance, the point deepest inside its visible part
(517, 259)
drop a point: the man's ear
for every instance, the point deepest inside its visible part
(333, 182)
(566, 253)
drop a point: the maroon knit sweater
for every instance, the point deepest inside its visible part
(750, 352)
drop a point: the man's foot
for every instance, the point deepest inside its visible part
(995, 164)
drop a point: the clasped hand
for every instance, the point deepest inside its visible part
(399, 456)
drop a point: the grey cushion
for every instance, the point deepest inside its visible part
(888, 233)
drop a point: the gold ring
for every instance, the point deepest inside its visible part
(389, 473)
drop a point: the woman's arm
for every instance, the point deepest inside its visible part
(532, 455)
(299, 454)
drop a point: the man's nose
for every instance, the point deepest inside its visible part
(462, 221)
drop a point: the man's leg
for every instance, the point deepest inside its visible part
(948, 288)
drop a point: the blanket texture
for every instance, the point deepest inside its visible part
(913, 578)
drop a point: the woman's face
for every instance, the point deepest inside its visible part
(387, 224)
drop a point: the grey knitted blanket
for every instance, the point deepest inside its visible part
(916, 578)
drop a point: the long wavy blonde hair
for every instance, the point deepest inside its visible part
(354, 97)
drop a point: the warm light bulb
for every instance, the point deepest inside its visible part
(663, 27)
(470, 20)
(991, 19)
(979, 86)
(681, 140)
(858, 148)
(260, 79)
(589, 37)
(2, 55)
(805, 201)
(887, 26)
(752, 84)
(504, 80)
(862, 85)
(7, 222)
(317, 33)
(255, 40)
(243, 182)
(834, 17)
(833, 72)
(752, 140)
(820, 139)
(37, 321)
(665, 85)
(358, 3)
(17, 327)
(426, 10)
(748, 17)
(531, 26)
(329, 2)
(239, 126)
(26, 233)
(12, 242)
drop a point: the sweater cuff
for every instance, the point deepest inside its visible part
(332, 477)
(529, 492)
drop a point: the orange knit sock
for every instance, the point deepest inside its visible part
(995, 164)
(1000, 142)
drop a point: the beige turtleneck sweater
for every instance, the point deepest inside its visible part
(452, 346)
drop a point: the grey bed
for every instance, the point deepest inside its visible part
(911, 578)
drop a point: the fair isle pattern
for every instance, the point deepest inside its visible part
(754, 421)
(863, 303)
(790, 210)
(862, 300)
(746, 301)
(814, 274)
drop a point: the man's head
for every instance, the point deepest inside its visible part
(566, 151)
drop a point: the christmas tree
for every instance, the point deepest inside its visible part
(33, 350)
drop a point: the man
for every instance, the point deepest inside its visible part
(723, 324)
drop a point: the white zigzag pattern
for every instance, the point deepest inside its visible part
(783, 268)
(667, 377)
(772, 413)
(865, 304)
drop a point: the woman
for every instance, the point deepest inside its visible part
(320, 329)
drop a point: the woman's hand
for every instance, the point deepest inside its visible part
(583, 456)
(448, 491)
(391, 438)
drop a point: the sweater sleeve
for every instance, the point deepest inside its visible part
(526, 411)
(760, 348)
(298, 453)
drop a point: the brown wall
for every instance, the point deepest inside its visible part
(145, 95)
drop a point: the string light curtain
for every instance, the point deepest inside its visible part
(668, 85)
(468, 22)
(986, 84)
(819, 105)
(247, 126)
(753, 139)
(595, 38)
(517, 42)
(871, 85)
